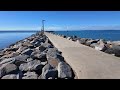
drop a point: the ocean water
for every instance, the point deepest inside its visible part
(7, 38)
(112, 35)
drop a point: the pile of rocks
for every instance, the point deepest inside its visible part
(33, 58)
(110, 47)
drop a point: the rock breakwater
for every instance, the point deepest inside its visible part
(34, 57)
(110, 47)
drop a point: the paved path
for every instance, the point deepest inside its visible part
(85, 61)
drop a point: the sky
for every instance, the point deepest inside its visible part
(60, 20)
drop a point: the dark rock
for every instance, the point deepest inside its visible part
(50, 74)
(27, 52)
(21, 59)
(42, 48)
(64, 70)
(48, 71)
(38, 43)
(114, 50)
(30, 75)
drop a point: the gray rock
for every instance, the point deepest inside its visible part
(64, 70)
(21, 59)
(42, 48)
(29, 59)
(48, 72)
(39, 56)
(30, 75)
(2, 72)
(9, 60)
(27, 52)
(23, 67)
(101, 46)
(10, 76)
(114, 50)
(38, 43)
(17, 45)
(89, 42)
(21, 49)
(10, 69)
(83, 40)
(31, 66)
(46, 45)
(53, 57)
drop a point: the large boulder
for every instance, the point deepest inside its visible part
(10, 69)
(117, 43)
(30, 75)
(114, 50)
(10, 76)
(83, 40)
(40, 56)
(54, 57)
(101, 45)
(64, 70)
(48, 72)
(31, 66)
(21, 59)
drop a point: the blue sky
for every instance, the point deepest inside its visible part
(60, 20)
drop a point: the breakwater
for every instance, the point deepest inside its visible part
(110, 47)
(34, 57)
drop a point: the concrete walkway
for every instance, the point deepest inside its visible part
(85, 61)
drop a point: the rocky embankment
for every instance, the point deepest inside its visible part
(110, 47)
(33, 58)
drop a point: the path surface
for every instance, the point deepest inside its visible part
(85, 61)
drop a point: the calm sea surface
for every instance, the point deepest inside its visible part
(7, 38)
(112, 35)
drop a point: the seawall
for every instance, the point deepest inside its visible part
(87, 62)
